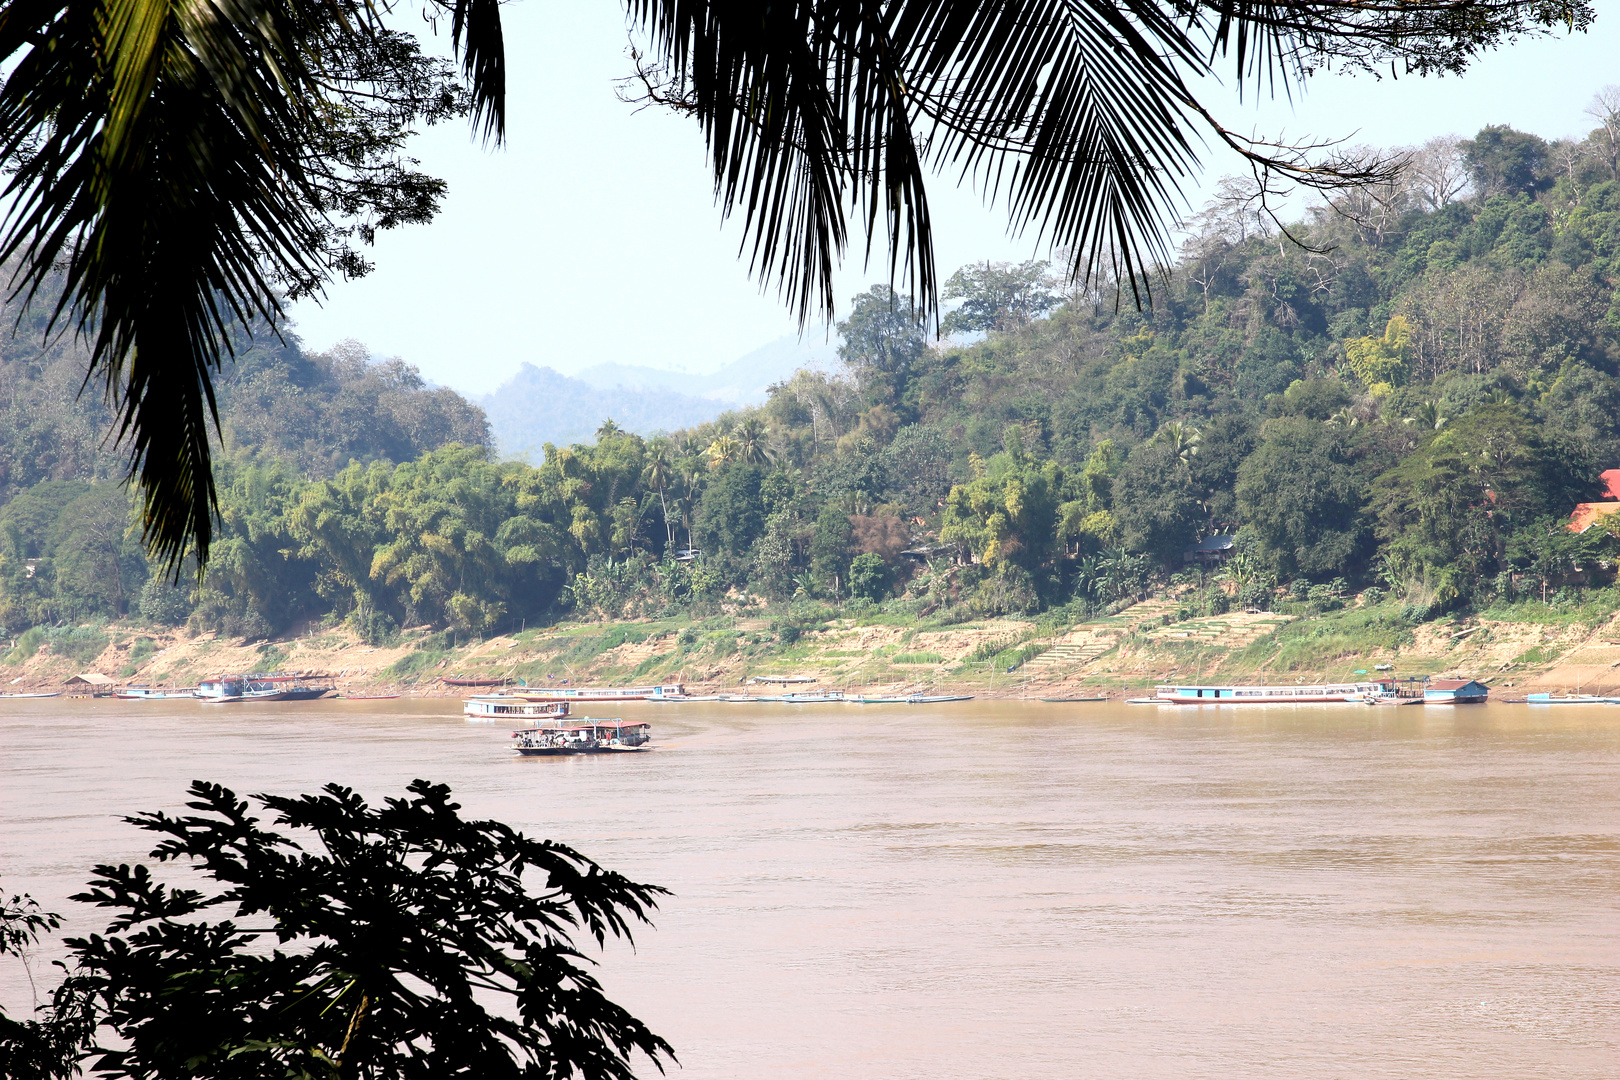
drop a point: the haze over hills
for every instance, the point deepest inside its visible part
(741, 382)
(538, 404)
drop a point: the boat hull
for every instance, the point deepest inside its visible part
(580, 751)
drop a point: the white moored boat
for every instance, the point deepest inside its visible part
(1262, 695)
(154, 693)
(233, 688)
(504, 707)
(1569, 699)
(673, 691)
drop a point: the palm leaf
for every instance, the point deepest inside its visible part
(157, 166)
(1078, 113)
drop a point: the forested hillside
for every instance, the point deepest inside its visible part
(69, 544)
(1405, 393)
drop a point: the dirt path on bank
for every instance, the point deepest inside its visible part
(1114, 656)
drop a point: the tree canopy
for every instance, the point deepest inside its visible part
(1406, 406)
(187, 166)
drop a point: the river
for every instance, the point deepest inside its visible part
(1002, 890)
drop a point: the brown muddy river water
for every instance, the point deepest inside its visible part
(999, 890)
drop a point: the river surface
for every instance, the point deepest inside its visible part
(997, 890)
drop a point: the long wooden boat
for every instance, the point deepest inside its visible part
(906, 699)
(819, 697)
(450, 680)
(583, 737)
(1265, 695)
(154, 693)
(1568, 699)
(503, 707)
(674, 691)
(30, 694)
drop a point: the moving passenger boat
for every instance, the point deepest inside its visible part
(1264, 695)
(584, 737)
(503, 707)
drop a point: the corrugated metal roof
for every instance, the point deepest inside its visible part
(92, 678)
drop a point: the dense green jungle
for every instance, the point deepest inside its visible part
(1401, 395)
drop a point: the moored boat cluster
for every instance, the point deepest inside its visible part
(231, 689)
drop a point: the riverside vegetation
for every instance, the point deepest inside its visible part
(1393, 417)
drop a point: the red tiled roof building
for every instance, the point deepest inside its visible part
(1588, 512)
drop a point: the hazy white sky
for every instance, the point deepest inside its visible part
(593, 235)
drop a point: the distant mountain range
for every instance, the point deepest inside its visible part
(540, 405)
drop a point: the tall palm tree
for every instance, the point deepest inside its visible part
(751, 442)
(1182, 438)
(724, 448)
(658, 474)
(168, 155)
(1428, 416)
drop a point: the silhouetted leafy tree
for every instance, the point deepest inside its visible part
(397, 942)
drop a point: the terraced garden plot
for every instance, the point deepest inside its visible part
(1148, 611)
(1079, 646)
(631, 654)
(1226, 631)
